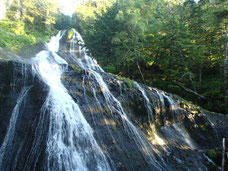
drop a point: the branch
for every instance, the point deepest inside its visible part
(190, 91)
(140, 72)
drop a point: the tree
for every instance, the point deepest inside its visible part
(33, 12)
(165, 42)
(86, 13)
(62, 22)
(219, 16)
(27, 21)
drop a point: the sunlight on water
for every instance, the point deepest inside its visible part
(71, 145)
(186, 138)
(148, 104)
(90, 65)
(159, 140)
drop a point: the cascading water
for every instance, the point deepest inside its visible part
(148, 104)
(9, 137)
(178, 125)
(71, 145)
(177, 128)
(90, 65)
(71, 115)
(151, 115)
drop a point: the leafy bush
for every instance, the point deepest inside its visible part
(14, 36)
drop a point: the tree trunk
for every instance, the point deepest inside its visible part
(200, 74)
(226, 67)
(18, 13)
(140, 72)
(223, 153)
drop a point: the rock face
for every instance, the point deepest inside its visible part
(136, 127)
(21, 98)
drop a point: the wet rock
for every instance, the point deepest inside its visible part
(178, 133)
(14, 77)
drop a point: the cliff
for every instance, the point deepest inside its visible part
(98, 120)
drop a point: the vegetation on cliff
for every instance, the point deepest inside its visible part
(177, 46)
(27, 22)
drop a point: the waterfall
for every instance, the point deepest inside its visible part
(148, 104)
(71, 144)
(8, 140)
(173, 107)
(70, 115)
(90, 65)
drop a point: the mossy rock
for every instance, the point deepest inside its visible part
(128, 81)
(76, 68)
(215, 155)
(138, 106)
(70, 34)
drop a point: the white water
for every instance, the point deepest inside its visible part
(71, 144)
(90, 65)
(148, 104)
(214, 129)
(84, 60)
(173, 107)
(177, 124)
(8, 140)
(179, 127)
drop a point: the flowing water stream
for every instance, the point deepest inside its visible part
(71, 144)
(90, 65)
(9, 137)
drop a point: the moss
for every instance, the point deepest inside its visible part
(204, 127)
(183, 104)
(89, 94)
(12, 85)
(194, 112)
(69, 80)
(128, 81)
(212, 153)
(215, 155)
(188, 164)
(76, 93)
(77, 68)
(137, 104)
(70, 34)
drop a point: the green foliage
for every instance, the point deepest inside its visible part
(89, 8)
(32, 12)
(10, 39)
(27, 22)
(62, 22)
(87, 12)
(128, 81)
(212, 153)
(166, 42)
(109, 68)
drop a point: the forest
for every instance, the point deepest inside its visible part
(177, 46)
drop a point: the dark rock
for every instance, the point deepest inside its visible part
(14, 78)
(178, 133)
